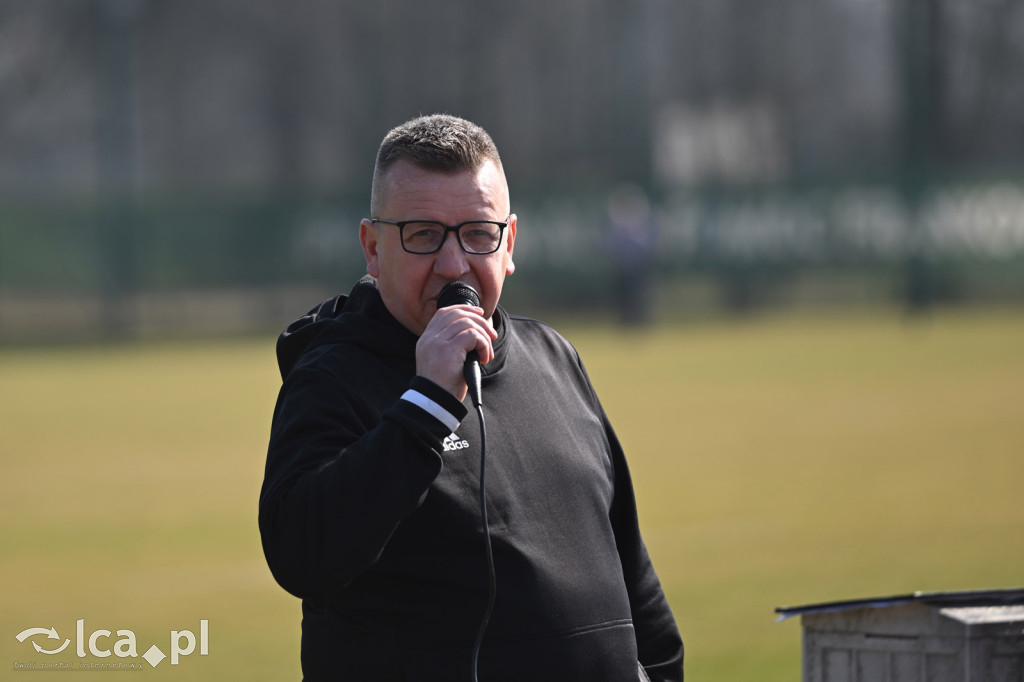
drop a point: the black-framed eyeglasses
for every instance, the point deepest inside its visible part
(478, 237)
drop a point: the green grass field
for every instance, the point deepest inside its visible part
(777, 461)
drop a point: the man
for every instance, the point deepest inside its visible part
(369, 509)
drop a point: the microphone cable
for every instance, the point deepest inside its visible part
(460, 293)
(491, 579)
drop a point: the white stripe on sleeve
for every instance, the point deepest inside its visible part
(435, 410)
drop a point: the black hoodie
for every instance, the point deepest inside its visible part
(369, 512)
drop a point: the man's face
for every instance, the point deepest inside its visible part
(409, 283)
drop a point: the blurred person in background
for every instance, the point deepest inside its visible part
(370, 509)
(631, 238)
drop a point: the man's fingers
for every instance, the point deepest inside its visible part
(469, 332)
(451, 334)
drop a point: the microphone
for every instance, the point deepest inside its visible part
(460, 293)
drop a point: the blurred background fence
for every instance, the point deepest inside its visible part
(186, 166)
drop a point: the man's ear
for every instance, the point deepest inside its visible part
(510, 244)
(368, 238)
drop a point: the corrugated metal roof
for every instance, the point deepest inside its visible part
(948, 600)
(985, 615)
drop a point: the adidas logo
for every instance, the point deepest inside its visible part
(453, 442)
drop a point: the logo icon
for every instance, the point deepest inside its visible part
(453, 442)
(50, 634)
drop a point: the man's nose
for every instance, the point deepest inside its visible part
(450, 260)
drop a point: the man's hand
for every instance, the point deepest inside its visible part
(453, 333)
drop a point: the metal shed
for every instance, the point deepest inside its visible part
(975, 636)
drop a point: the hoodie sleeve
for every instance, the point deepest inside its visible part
(341, 477)
(659, 644)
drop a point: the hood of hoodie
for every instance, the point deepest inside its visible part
(362, 319)
(359, 318)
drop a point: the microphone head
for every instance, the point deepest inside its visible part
(457, 293)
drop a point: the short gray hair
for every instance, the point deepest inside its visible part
(439, 142)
